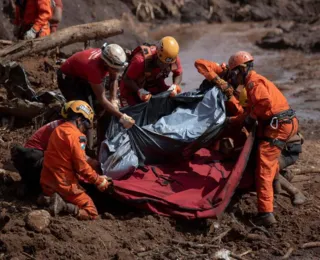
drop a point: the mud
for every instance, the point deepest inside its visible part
(126, 233)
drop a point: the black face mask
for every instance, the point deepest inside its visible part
(233, 76)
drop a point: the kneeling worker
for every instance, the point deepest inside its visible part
(65, 162)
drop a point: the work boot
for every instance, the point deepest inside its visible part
(265, 219)
(287, 174)
(57, 204)
(43, 201)
(276, 186)
(72, 209)
(296, 195)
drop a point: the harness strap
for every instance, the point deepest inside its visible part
(274, 142)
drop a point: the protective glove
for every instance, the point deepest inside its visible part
(29, 35)
(175, 89)
(144, 95)
(224, 86)
(115, 103)
(16, 31)
(127, 121)
(102, 183)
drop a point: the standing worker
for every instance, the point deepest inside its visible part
(149, 66)
(277, 123)
(32, 19)
(65, 162)
(82, 77)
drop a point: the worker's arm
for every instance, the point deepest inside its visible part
(260, 100)
(100, 94)
(233, 106)
(79, 159)
(44, 14)
(134, 72)
(177, 73)
(208, 69)
(113, 85)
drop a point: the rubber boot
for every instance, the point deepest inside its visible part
(276, 185)
(43, 201)
(296, 195)
(287, 174)
(57, 204)
(265, 219)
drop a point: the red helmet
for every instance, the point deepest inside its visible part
(239, 58)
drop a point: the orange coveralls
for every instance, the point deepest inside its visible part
(36, 14)
(264, 101)
(64, 159)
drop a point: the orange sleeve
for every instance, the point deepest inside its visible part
(208, 69)
(17, 19)
(259, 99)
(44, 14)
(79, 159)
(233, 106)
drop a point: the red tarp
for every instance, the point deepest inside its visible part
(199, 188)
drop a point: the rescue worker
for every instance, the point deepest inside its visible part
(28, 159)
(149, 66)
(82, 77)
(56, 15)
(277, 123)
(65, 162)
(32, 19)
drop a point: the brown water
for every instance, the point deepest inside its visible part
(217, 42)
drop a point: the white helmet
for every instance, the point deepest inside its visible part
(114, 56)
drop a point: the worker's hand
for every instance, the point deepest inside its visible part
(29, 35)
(144, 95)
(103, 182)
(115, 103)
(174, 89)
(16, 31)
(127, 121)
(224, 86)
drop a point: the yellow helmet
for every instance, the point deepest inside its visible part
(168, 49)
(243, 98)
(64, 109)
(83, 108)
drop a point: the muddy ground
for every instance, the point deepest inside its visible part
(126, 233)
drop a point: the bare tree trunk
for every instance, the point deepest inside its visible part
(77, 33)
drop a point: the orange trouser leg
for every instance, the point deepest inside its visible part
(85, 204)
(267, 168)
(45, 31)
(268, 163)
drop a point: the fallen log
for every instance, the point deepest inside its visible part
(5, 42)
(77, 33)
(21, 108)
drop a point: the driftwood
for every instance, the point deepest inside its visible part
(21, 108)
(310, 245)
(77, 33)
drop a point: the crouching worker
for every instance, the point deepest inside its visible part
(65, 162)
(28, 159)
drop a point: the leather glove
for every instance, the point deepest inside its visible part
(16, 31)
(29, 35)
(102, 183)
(174, 89)
(144, 95)
(127, 121)
(224, 86)
(115, 103)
